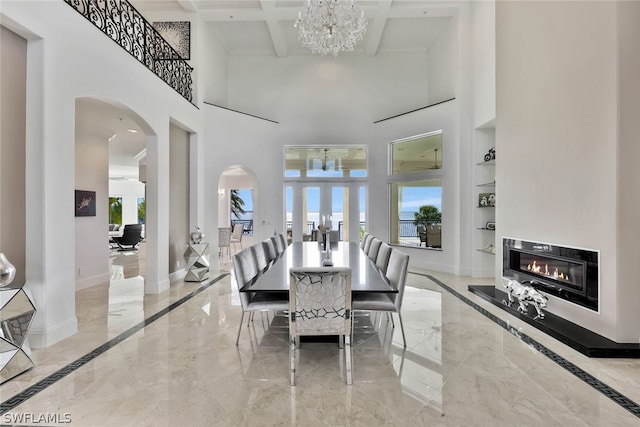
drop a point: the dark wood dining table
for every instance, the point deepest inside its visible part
(365, 275)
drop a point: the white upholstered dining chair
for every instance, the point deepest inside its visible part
(367, 243)
(388, 302)
(365, 237)
(382, 260)
(269, 249)
(374, 247)
(236, 235)
(320, 304)
(245, 269)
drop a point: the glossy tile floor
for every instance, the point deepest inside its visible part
(182, 367)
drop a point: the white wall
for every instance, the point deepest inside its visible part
(556, 131)
(60, 70)
(178, 197)
(91, 232)
(628, 15)
(325, 99)
(483, 39)
(13, 62)
(214, 65)
(442, 72)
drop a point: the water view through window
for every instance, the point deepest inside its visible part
(415, 187)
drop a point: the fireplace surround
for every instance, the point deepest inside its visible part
(564, 272)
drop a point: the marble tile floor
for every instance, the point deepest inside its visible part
(181, 366)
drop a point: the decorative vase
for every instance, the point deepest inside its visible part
(197, 236)
(7, 271)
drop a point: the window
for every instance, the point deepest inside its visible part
(417, 153)
(142, 210)
(241, 208)
(325, 162)
(415, 187)
(321, 182)
(115, 210)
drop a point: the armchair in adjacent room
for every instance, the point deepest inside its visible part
(131, 236)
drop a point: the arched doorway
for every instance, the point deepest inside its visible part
(237, 202)
(110, 154)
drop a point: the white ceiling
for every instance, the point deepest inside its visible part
(266, 27)
(97, 120)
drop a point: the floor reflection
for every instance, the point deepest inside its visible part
(379, 354)
(126, 287)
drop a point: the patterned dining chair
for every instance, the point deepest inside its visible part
(224, 241)
(320, 304)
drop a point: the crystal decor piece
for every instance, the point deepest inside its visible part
(331, 26)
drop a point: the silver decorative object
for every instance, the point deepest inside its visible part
(525, 295)
(197, 236)
(196, 257)
(7, 271)
(16, 313)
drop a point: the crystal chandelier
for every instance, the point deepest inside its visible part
(329, 26)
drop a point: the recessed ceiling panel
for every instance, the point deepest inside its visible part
(411, 34)
(244, 37)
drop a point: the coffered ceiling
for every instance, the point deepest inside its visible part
(251, 27)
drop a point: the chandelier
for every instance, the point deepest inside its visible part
(329, 26)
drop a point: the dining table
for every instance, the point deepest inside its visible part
(365, 275)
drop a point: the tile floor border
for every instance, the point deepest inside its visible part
(34, 389)
(598, 385)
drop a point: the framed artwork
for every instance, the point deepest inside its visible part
(85, 203)
(177, 34)
(490, 225)
(486, 200)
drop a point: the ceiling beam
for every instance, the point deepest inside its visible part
(188, 5)
(376, 30)
(273, 24)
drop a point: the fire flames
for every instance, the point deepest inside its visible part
(544, 271)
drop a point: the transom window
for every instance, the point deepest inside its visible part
(417, 153)
(325, 162)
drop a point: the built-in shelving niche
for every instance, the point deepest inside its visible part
(484, 178)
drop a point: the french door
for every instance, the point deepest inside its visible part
(311, 202)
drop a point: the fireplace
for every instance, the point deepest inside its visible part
(564, 272)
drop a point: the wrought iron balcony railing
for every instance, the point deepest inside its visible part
(121, 22)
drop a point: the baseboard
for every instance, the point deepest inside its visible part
(87, 282)
(42, 339)
(151, 288)
(178, 275)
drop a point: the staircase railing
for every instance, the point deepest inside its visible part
(123, 24)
